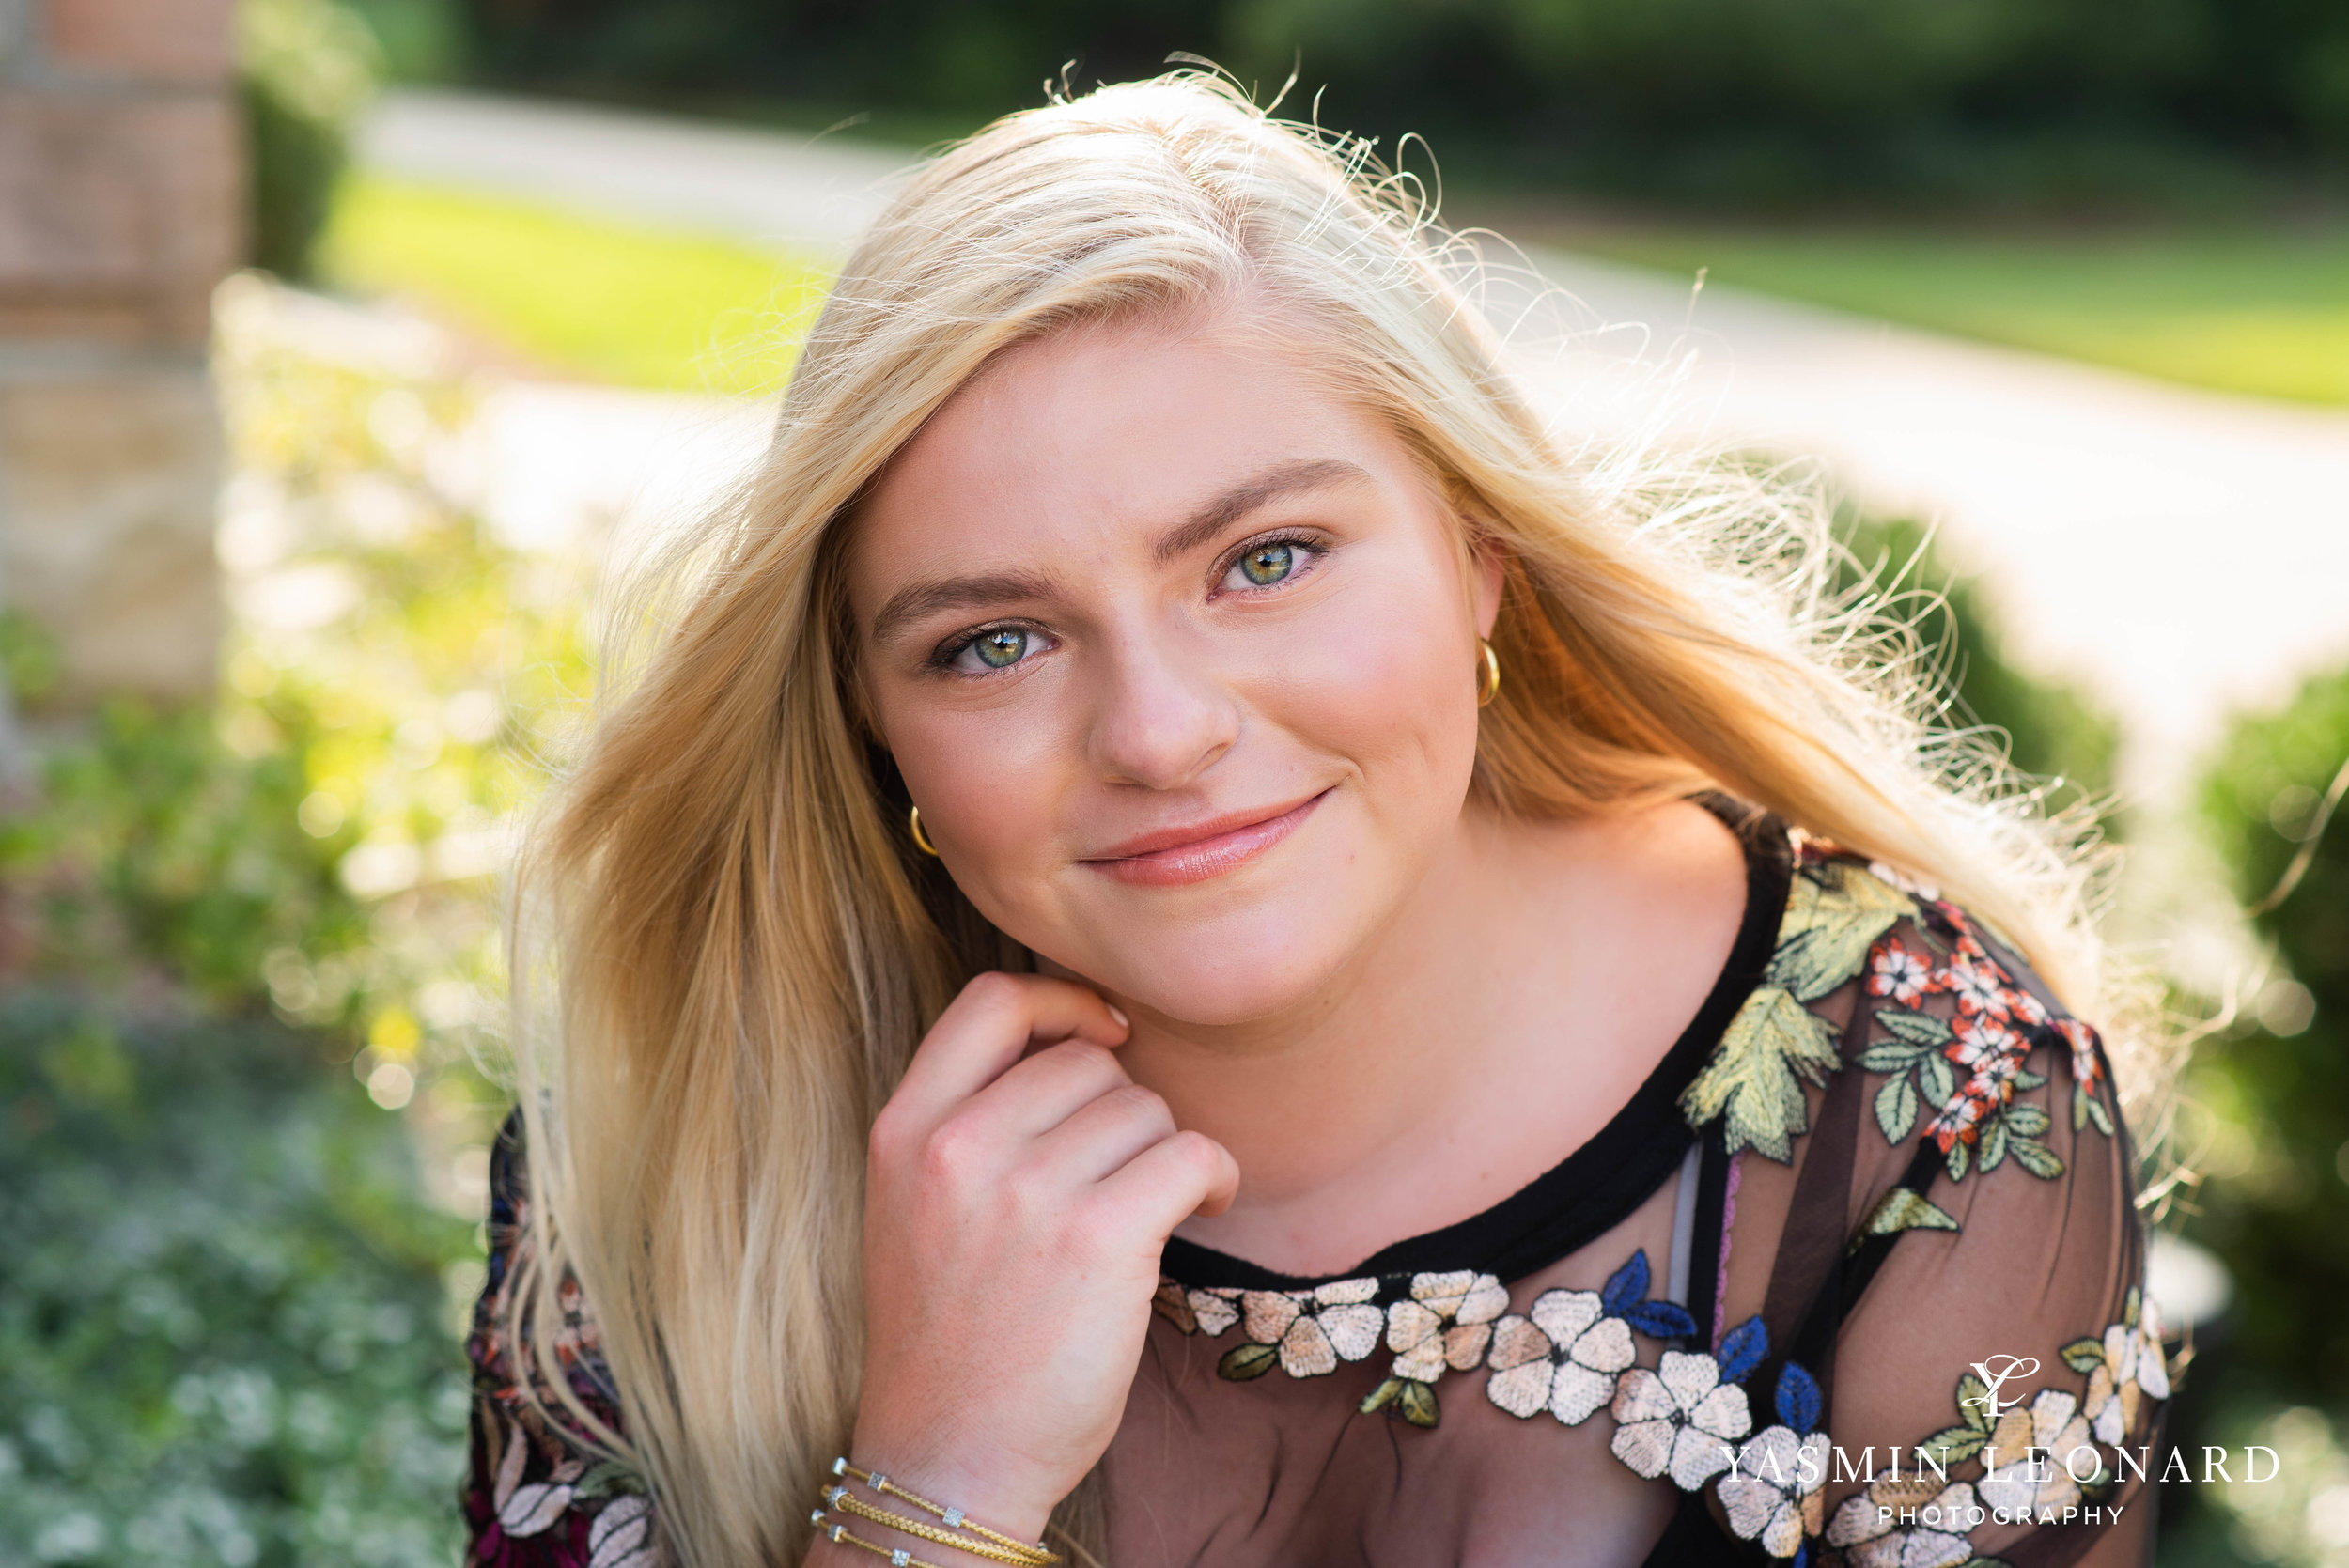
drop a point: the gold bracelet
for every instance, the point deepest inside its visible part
(1023, 1553)
(838, 1497)
(898, 1557)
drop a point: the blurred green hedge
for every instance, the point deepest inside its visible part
(309, 66)
(1716, 98)
(224, 1332)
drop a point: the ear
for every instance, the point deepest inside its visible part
(1487, 572)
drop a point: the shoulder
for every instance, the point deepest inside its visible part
(1874, 970)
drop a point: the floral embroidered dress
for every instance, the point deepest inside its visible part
(1854, 1277)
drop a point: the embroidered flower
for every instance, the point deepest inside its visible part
(528, 1508)
(622, 1537)
(1687, 1416)
(1196, 1311)
(1561, 1357)
(1313, 1329)
(2087, 1071)
(1447, 1321)
(1900, 972)
(2124, 1368)
(1680, 1417)
(1979, 984)
(2033, 1481)
(1867, 1528)
(1771, 1494)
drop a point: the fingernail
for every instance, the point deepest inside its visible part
(1122, 1021)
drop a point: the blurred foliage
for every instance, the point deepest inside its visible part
(309, 66)
(224, 1335)
(2276, 1207)
(421, 40)
(2050, 730)
(227, 1326)
(1728, 99)
(2260, 310)
(588, 296)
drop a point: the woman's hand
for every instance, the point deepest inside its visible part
(1015, 1208)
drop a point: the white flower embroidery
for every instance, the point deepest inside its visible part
(2023, 1480)
(1681, 1418)
(1563, 1357)
(1197, 1312)
(1446, 1322)
(2130, 1369)
(1870, 1540)
(1771, 1494)
(1316, 1329)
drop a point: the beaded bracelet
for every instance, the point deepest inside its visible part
(992, 1545)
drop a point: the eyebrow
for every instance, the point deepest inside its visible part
(1258, 490)
(1262, 489)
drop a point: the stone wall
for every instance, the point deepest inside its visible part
(122, 207)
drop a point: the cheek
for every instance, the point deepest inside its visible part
(1385, 683)
(992, 786)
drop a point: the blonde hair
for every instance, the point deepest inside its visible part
(745, 947)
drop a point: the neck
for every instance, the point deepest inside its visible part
(1534, 978)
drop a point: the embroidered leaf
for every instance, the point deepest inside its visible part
(1892, 1056)
(1753, 1078)
(2084, 1354)
(1244, 1361)
(1742, 1349)
(2037, 1159)
(604, 1478)
(1896, 1107)
(1939, 1082)
(2087, 1106)
(1959, 1158)
(1901, 1209)
(2027, 1120)
(2026, 1080)
(1413, 1399)
(1626, 1286)
(1917, 1029)
(1834, 917)
(1955, 1444)
(1798, 1398)
(1973, 1403)
(1993, 1151)
(1661, 1320)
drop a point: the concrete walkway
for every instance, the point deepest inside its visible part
(2182, 552)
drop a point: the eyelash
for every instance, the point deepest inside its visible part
(1309, 546)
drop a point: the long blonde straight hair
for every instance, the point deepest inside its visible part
(742, 948)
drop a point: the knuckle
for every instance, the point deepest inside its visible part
(1136, 1103)
(953, 1153)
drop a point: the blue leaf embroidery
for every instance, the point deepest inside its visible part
(1627, 1286)
(1742, 1349)
(1661, 1320)
(1798, 1398)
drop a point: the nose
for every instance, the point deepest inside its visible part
(1163, 713)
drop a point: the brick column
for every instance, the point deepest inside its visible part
(122, 207)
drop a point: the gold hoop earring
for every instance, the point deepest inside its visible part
(921, 839)
(1487, 674)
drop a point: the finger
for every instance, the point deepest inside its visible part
(1041, 1091)
(1174, 1178)
(1103, 1136)
(988, 1026)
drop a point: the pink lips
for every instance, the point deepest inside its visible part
(1179, 855)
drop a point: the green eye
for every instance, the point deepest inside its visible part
(1268, 564)
(1000, 649)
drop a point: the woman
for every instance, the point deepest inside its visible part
(1194, 946)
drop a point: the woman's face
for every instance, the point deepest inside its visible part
(1174, 651)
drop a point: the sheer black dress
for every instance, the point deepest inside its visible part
(1854, 1277)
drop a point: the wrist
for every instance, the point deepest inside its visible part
(990, 1489)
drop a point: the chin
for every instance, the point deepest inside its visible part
(1235, 967)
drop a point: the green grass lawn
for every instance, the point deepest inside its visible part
(598, 298)
(2256, 311)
